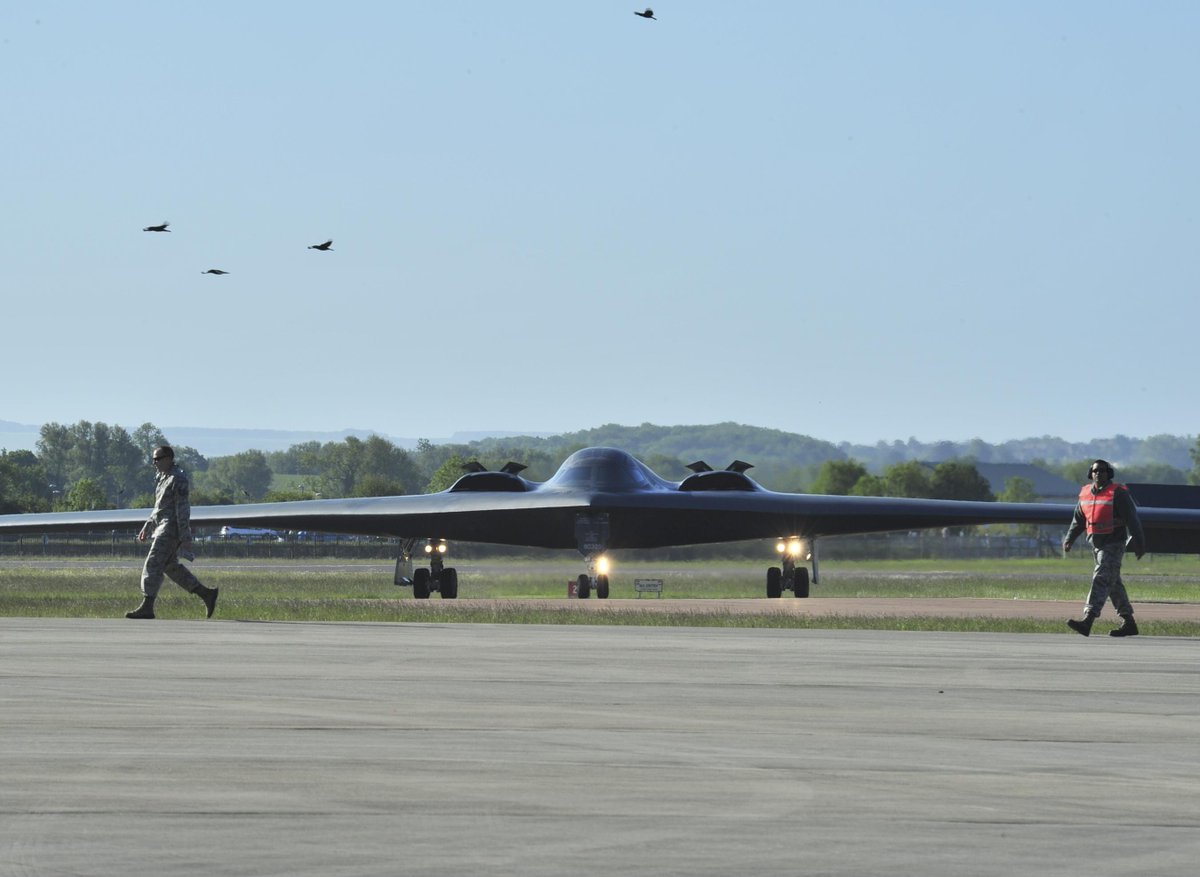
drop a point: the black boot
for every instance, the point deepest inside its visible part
(146, 610)
(1083, 626)
(1128, 627)
(209, 596)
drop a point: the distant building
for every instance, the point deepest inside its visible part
(1049, 487)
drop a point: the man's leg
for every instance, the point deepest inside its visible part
(184, 577)
(1106, 579)
(161, 550)
(1102, 578)
(1119, 596)
(1117, 592)
(1107, 583)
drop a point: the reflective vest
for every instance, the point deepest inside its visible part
(1097, 508)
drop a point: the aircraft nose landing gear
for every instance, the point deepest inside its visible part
(424, 581)
(596, 578)
(591, 536)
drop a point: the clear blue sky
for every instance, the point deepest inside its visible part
(857, 221)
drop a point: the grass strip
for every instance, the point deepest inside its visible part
(288, 594)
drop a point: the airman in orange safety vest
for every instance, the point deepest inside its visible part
(1107, 512)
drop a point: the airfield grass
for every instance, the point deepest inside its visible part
(363, 592)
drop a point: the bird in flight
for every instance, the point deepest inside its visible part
(649, 13)
(162, 227)
(328, 245)
(214, 271)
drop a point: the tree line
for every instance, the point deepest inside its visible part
(88, 465)
(791, 462)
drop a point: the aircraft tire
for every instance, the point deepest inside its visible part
(601, 587)
(449, 583)
(585, 586)
(800, 586)
(421, 584)
(774, 582)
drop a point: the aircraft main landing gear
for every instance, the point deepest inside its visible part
(789, 576)
(424, 581)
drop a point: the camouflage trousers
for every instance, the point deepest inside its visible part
(163, 559)
(1106, 581)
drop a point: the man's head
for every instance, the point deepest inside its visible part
(164, 458)
(1101, 472)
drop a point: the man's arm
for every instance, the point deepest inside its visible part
(183, 509)
(148, 527)
(1077, 526)
(1125, 508)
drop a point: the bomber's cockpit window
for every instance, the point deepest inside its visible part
(605, 469)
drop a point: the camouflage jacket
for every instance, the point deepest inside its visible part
(172, 513)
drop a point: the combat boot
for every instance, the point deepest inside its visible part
(209, 596)
(1127, 628)
(1083, 626)
(146, 610)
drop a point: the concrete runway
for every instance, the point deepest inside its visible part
(207, 748)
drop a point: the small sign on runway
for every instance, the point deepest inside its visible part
(648, 586)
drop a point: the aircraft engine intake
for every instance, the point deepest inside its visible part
(732, 477)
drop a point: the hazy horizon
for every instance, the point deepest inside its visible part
(226, 441)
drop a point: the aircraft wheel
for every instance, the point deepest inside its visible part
(421, 584)
(774, 582)
(585, 586)
(449, 583)
(800, 587)
(602, 587)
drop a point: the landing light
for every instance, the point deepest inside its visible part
(440, 548)
(794, 547)
(602, 565)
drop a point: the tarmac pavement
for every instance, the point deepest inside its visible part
(219, 747)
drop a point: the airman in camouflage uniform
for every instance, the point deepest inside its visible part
(169, 529)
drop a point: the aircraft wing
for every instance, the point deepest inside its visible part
(639, 510)
(504, 518)
(547, 519)
(1167, 505)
